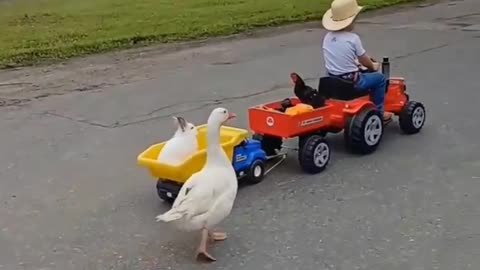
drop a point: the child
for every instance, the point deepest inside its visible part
(343, 51)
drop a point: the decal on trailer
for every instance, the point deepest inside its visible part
(240, 157)
(270, 122)
(311, 121)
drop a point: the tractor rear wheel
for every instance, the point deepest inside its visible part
(364, 131)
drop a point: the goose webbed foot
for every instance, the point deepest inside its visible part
(217, 236)
(202, 252)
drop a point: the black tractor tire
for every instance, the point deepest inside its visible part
(412, 118)
(367, 121)
(314, 154)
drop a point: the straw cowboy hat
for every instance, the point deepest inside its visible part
(341, 14)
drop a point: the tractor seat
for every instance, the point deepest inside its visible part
(336, 88)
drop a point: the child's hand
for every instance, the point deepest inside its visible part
(376, 66)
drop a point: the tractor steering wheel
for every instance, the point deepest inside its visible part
(364, 69)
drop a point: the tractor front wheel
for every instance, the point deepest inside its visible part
(412, 117)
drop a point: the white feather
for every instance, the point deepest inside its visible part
(182, 145)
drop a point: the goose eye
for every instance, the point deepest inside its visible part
(225, 111)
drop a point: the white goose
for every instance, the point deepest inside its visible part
(207, 197)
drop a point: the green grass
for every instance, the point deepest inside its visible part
(32, 31)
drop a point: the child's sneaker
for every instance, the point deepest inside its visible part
(387, 117)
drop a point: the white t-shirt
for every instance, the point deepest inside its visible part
(340, 52)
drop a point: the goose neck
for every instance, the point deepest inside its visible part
(214, 148)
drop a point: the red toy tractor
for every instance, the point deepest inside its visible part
(335, 107)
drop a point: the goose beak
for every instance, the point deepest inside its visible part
(230, 116)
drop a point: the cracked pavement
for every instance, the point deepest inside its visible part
(72, 196)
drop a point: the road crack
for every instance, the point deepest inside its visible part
(206, 103)
(150, 116)
(83, 121)
(421, 51)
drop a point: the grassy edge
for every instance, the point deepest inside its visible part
(57, 54)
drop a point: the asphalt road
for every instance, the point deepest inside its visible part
(72, 196)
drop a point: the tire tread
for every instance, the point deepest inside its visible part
(354, 137)
(306, 154)
(405, 117)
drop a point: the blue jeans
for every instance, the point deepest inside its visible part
(376, 84)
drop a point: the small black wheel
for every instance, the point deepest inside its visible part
(314, 154)
(364, 131)
(164, 194)
(412, 118)
(256, 172)
(269, 143)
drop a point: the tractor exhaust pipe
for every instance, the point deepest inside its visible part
(386, 71)
(386, 67)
